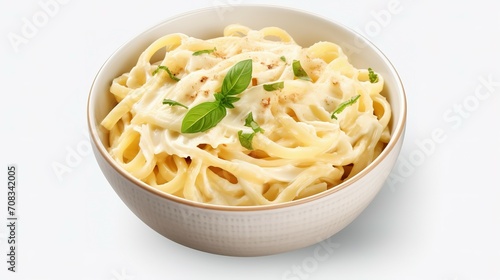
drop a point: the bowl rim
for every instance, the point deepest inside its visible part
(399, 124)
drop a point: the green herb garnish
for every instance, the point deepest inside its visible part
(200, 52)
(225, 100)
(252, 124)
(299, 72)
(283, 58)
(274, 86)
(208, 114)
(344, 104)
(238, 78)
(372, 76)
(173, 103)
(246, 138)
(162, 67)
(203, 117)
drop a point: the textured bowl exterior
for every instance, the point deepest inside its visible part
(260, 230)
(250, 232)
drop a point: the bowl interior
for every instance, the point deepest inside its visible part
(305, 28)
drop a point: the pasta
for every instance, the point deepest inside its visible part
(300, 150)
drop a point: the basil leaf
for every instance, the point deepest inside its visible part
(162, 67)
(173, 103)
(274, 86)
(246, 139)
(226, 101)
(299, 72)
(344, 104)
(202, 117)
(237, 78)
(372, 76)
(251, 123)
(200, 52)
(206, 115)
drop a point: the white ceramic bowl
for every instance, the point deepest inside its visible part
(257, 230)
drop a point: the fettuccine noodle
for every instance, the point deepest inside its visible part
(302, 150)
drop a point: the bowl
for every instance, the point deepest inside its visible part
(249, 230)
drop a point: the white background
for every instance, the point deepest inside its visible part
(438, 217)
